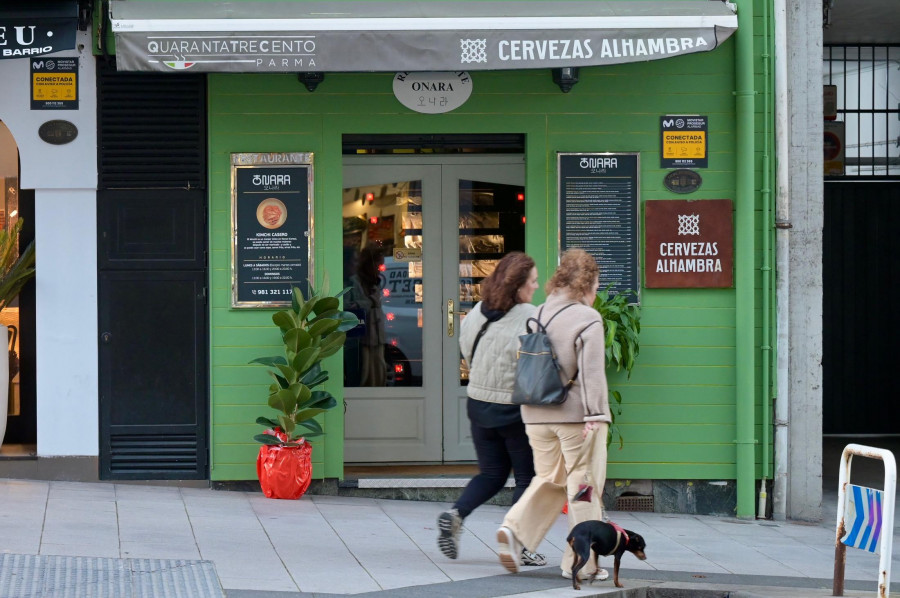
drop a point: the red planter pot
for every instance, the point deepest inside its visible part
(284, 471)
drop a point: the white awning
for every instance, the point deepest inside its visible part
(410, 35)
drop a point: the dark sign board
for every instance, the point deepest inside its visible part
(683, 141)
(598, 212)
(29, 29)
(682, 181)
(54, 84)
(689, 244)
(58, 132)
(271, 216)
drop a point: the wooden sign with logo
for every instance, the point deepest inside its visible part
(689, 244)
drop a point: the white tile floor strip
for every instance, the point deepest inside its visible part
(419, 482)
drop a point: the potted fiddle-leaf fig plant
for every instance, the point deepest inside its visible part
(622, 324)
(15, 270)
(312, 329)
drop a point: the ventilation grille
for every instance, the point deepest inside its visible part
(162, 454)
(152, 130)
(641, 504)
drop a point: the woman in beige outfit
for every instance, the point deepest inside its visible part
(556, 433)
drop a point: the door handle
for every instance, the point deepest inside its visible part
(450, 317)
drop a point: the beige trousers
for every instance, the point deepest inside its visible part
(556, 448)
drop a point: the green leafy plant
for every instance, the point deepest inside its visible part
(622, 324)
(311, 330)
(15, 269)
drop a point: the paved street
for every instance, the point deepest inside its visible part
(322, 545)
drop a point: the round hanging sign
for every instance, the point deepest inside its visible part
(432, 93)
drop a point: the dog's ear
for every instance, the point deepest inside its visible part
(637, 541)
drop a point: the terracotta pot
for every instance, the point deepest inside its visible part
(284, 471)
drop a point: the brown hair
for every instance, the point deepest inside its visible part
(500, 290)
(576, 275)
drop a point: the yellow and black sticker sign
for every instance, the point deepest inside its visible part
(54, 84)
(683, 141)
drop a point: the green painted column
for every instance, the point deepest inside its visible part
(744, 256)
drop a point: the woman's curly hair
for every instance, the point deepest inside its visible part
(576, 275)
(500, 290)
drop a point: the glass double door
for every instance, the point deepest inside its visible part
(420, 235)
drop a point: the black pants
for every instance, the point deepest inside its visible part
(499, 450)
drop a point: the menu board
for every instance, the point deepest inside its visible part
(271, 215)
(598, 212)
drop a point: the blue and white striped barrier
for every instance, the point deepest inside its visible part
(862, 514)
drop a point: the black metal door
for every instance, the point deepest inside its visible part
(153, 323)
(861, 325)
(152, 277)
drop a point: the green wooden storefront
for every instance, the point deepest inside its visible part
(697, 406)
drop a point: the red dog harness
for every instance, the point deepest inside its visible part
(620, 533)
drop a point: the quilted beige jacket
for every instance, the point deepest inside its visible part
(492, 375)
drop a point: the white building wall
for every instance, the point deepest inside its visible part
(64, 178)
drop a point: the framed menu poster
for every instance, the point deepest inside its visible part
(271, 227)
(598, 212)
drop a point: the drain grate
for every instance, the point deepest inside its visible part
(642, 504)
(33, 576)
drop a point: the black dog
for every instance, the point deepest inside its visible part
(605, 539)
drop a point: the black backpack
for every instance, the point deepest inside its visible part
(537, 378)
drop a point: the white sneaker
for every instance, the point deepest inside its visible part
(602, 575)
(532, 559)
(508, 549)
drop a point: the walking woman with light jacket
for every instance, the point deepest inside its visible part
(557, 432)
(489, 339)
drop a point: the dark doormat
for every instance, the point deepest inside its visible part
(33, 576)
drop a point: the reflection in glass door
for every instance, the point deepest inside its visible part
(490, 222)
(419, 237)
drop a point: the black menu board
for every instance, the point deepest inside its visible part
(271, 212)
(598, 212)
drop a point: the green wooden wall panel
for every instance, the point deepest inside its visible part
(669, 452)
(683, 414)
(718, 376)
(670, 394)
(687, 336)
(688, 316)
(236, 453)
(244, 354)
(243, 375)
(718, 433)
(687, 356)
(259, 336)
(679, 403)
(670, 471)
(693, 298)
(243, 318)
(240, 413)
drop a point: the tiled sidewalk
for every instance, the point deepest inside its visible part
(325, 545)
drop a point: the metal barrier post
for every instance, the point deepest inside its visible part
(887, 516)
